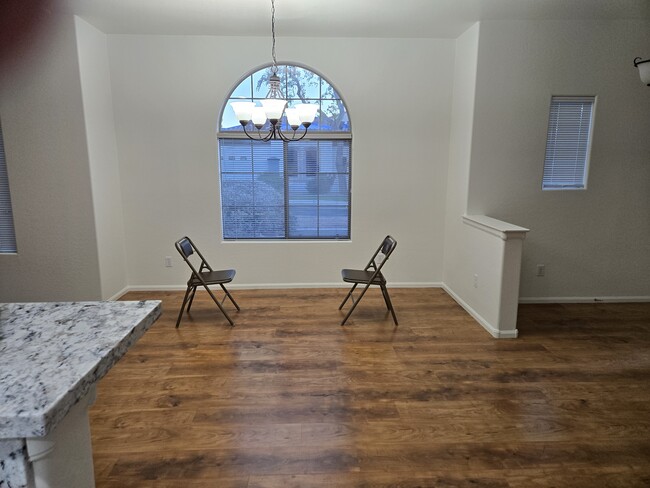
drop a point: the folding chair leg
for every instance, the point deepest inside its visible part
(223, 310)
(348, 296)
(229, 296)
(180, 314)
(355, 302)
(189, 305)
(384, 291)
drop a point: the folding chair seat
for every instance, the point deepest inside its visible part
(203, 276)
(370, 275)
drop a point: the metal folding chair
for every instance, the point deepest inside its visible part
(203, 276)
(370, 275)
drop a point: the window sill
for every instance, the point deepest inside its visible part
(278, 241)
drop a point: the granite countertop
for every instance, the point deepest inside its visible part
(52, 353)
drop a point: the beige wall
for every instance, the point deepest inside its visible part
(47, 161)
(594, 243)
(95, 210)
(458, 267)
(102, 154)
(168, 92)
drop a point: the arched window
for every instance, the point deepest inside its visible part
(287, 190)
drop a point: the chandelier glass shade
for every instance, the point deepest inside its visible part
(643, 66)
(274, 107)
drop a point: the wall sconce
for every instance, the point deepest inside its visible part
(644, 69)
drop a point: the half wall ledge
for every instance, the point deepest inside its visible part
(497, 228)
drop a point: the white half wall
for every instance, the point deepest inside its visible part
(168, 92)
(493, 260)
(596, 242)
(47, 162)
(102, 154)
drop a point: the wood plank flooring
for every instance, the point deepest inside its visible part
(288, 398)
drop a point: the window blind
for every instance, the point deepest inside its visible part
(279, 190)
(568, 143)
(7, 235)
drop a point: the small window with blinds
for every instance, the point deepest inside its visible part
(7, 235)
(287, 190)
(568, 143)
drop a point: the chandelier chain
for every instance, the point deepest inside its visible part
(275, 64)
(273, 108)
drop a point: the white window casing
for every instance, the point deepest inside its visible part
(568, 142)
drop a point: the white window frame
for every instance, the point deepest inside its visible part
(568, 143)
(312, 135)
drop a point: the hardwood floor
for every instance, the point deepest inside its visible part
(288, 398)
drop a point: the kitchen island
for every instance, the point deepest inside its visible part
(51, 356)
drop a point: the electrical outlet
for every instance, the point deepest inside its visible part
(475, 281)
(541, 269)
(168, 261)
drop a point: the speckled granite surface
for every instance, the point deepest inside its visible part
(14, 467)
(51, 353)
(50, 356)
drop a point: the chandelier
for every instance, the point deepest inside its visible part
(273, 108)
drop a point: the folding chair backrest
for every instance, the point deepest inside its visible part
(186, 248)
(386, 248)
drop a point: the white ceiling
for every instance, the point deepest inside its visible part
(336, 18)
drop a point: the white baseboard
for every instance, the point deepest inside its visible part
(234, 286)
(278, 286)
(494, 331)
(119, 294)
(490, 328)
(405, 284)
(633, 299)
